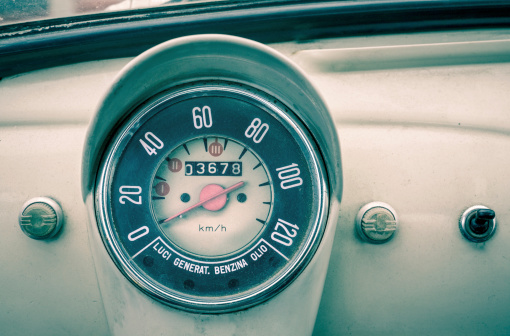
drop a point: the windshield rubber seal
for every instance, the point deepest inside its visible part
(48, 43)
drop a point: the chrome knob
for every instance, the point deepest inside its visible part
(41, 218)
(376, 222)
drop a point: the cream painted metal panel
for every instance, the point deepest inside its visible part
(401, 144)
(428, 279)
(46, 287)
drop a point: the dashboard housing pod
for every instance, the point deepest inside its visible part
(212, 59)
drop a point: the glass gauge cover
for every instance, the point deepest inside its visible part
(212, 198)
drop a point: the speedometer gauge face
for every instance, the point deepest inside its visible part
(200, 188)
(212, 198)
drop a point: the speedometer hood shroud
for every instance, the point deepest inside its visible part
(179, 63)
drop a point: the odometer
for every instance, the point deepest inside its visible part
(212, 198)
(198, 168)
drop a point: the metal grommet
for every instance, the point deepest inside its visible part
(41, 218)
(376, 222)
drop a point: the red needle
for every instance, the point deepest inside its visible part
(223, 192)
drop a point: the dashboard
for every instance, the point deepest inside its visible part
(391, 119)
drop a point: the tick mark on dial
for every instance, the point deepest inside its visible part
(264, 184)
(158, 198)
(268, 203)
(186, 148)
(260, 164)
(261, 221)
(225, 144)
(160, 178)
(205, 144)
(243, 152)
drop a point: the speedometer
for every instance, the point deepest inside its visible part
(212, 197)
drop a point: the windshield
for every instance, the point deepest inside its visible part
(15, 11)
